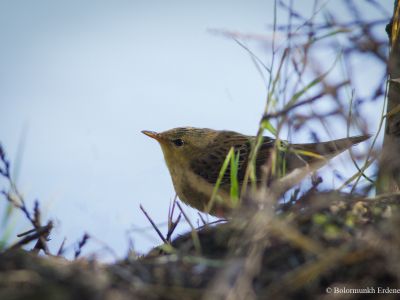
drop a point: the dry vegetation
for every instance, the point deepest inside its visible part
(315, 240)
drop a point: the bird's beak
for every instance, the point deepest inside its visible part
(152, 134)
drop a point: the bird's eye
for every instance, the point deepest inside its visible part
(178, 142)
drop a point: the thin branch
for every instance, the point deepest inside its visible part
(154, 225)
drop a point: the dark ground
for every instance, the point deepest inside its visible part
(325, 240)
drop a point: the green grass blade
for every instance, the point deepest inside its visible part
(266, 124)
(314, 82)
(234, 179)
(219, 180)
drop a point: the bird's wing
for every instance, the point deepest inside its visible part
(208, 165)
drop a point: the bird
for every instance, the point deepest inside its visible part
(194, 157)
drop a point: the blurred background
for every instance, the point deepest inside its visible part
(79, 80)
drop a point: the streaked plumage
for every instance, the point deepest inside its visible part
(194, 157)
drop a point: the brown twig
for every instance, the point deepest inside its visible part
(61, 249)
(154, 225)
(38, 233)
(172, 228)
(81, 244)
(285, 111)
(15, 198)
(195, 236)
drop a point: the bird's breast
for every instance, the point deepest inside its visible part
(193, 189)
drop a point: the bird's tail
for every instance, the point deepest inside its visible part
(325, 150)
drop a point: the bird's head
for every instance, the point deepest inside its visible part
(181, 145)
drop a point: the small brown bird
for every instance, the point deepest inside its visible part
(194, 157)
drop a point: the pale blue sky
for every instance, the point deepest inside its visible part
(79, 80)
